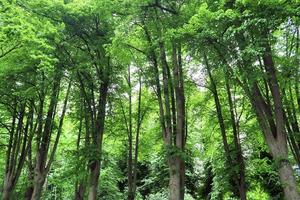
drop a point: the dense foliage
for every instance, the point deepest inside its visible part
(149, 99)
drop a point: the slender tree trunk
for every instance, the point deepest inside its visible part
(7, 186)
(94, 166)
(297, 78)
(153, 60)
(42, 167)
(166, 91)
(238, 179)
(79, 187)
(29, 189)
(238, 149)
(137, 137)
(20, 141)
(292, 141)
(219, 112)
(130, 141)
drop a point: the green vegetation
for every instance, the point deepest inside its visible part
(149, 99)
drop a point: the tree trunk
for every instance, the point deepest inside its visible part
(28, 193)
(94, 165)
(287, 177)
(171, 110)
(7, 189)
(288, 181)
(174, 119)
(175, 183)
(79, 186)
(219, 111)
(180, 133)
(79, 192)
(238, 178)
(238, 149)
(94, 179)
(130, 141)
(44, 139)
(19, 142)
(38, 184)
(297, 78)
(270, 115)
(140, 117)
(29, 189)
